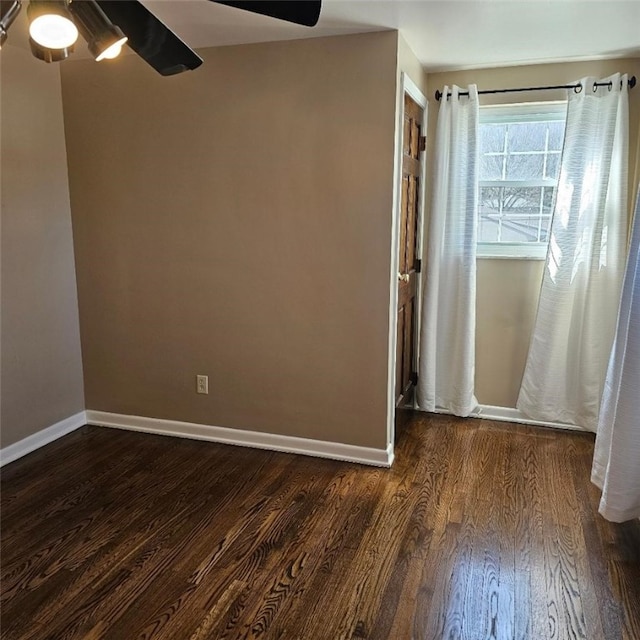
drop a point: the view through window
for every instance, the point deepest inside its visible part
(520, 147)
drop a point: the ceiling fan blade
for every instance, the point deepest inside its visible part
(305, 12)
(150, 38)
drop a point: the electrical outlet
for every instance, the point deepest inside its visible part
(202, 384)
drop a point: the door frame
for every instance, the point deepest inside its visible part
(405, 86)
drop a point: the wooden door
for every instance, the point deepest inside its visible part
(408, 263)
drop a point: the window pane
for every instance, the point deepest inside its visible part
(544, 231)
(556, 135)
(520, 200)
(488, 228)
(489, 214)
(524, 166)
(527, 136)
(516, 151)
(492, 137)
(553, 165)
(491, 167)
(521, 214)
(547, 200)
(490, 199)
(520, 230)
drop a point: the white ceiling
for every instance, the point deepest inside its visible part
(444, 34)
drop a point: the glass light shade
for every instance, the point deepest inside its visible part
(113, 51)
(53, 31)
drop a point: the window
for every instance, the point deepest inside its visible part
(520, 147)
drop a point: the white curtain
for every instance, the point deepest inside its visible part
(616, 463)
(447, 351)
(575, 325)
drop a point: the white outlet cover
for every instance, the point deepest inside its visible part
(202, 384)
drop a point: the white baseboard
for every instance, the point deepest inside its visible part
(245, 438)
(507, 414)
(42, 437)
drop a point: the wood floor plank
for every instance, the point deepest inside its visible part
(484, 612)
(625, 573)
(160, 546)
(98, 555)
(480, 531)
(330, 555)
(280, 556)
(452, 543)
(407, 597)
(528, 505)
(564, 603)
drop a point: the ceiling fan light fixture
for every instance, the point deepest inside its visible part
(7, 17)
(109, 51)
(105, 39)
(49, 54)
(50, 24)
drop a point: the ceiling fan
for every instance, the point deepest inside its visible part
(107, 25)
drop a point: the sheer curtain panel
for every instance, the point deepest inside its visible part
(576, 320)
(447, 357)
(616, 463)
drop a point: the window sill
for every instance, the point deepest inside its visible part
(510, 257)
(511, 251)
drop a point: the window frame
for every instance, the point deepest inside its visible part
(516, 113)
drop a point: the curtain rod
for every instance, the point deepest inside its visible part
(576, 87)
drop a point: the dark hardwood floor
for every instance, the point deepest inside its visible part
(480, 530)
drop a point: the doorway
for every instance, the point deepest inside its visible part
(410, 185)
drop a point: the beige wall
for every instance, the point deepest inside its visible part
(235, 222)
(635, 184)
(408, 63)
(508, 289)
(507, 301)
(41, 361)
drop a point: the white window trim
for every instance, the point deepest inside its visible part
(508, 113)
(526, 111)
(512, 250)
